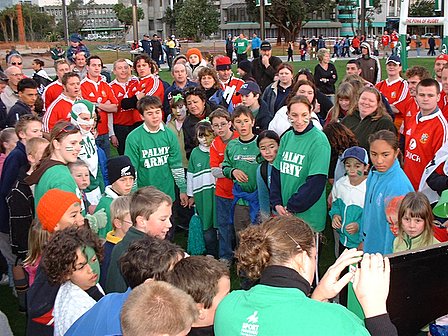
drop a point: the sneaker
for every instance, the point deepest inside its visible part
(4, 280)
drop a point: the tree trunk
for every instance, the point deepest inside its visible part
(31, 29)
(11, 25)
(4, 29)
(279, 35)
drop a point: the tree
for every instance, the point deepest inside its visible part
(422, 8)
(197, 18)
(37, 24)
(4, 24)
(124, 15)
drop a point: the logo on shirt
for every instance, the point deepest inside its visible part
(393, 94)
(412, 144)
(409, 114)
(291, 163)
(250, 328)
(154, 157)
(91, 94)
(424, 138)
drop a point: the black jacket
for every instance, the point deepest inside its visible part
(19, 109)
(263, 118)
(188, 127)
(265, 76)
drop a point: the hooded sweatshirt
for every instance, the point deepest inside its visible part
(370, 65)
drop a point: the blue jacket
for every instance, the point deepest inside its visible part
(11, 168)
(252, 198)
(381, 188)
(263, 192)
(102, 319)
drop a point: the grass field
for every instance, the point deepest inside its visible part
(8, 303)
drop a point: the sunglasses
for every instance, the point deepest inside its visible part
(16, 63)
(67, 129)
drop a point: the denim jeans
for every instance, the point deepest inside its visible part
(225, 228)
(103, 142)
(211, 242)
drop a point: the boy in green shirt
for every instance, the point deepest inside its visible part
(240, 164)
(155, 153)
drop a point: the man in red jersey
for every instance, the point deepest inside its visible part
(123, 119)
(96, 90)
(229, 83)
(62, 106)
(54, 90)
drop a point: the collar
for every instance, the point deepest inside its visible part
(111, 193)
(432, 115)
(24, 105)
(161, 128)
(388, 82)
(205, 149)
(111, 238)
(284, 277)
(248, 141)
(306, 130)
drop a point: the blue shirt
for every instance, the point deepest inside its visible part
(256, 43)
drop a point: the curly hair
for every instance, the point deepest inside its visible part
(340, 137)
(59, 256)
(274, 242)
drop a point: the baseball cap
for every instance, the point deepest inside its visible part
(442, 57)
(223, 63)
(357, 153)
(265, 45)
(249, 87)
(75, 37)
(394, 59)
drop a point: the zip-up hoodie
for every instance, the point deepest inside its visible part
(381, 188)
(370, 65)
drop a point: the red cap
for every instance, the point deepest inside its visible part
(442, 57)
(223, 63)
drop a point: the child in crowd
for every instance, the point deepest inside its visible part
(251, 97)
(208, 282)
(83, 117)
(37, 239)
(415, 223)
(268, 142)
(178, 115)
(121, 222)
(142, 311)
(81, 175)
(220, 120)
(8, 141)
(150, 215)
(346, 99)
(195, 63)
(26, 128)
(348, 198)
(21, 201)
(121, 177)
(385, 181)
(201, 186)
(146, 258)
(155, 152)
(70, 260)
(240, 164)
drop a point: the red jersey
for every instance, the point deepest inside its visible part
(58, 110)
(394, 37)
(51, 92)
(234, 85)
(410, 111)
(98, 92)
(224, 185)
(443, 100)
(424, 137)
(395, 92)
(122, 117)
(151, 86)
(385, 40)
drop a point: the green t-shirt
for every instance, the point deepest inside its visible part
(298, 157)
(157, 159)
(242, 155)
(241, 45)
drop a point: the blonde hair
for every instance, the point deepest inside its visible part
(155, 308)
(120, 207)
(37, 239)
(33, 144)
(344, 91)
(321, 53)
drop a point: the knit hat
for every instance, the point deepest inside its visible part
(52, 206)
(223, 63)
(82, 106)
(118, 167)
(246, 66)
(194, 51)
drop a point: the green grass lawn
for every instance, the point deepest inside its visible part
(8, 303)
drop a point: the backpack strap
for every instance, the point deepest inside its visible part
(264, 173)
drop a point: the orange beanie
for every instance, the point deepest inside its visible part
(194, 51)
(52, 206)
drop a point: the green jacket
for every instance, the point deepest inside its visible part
(104, 203)
(115, 281)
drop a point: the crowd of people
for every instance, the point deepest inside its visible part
(246, 161)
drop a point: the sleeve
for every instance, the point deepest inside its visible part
(129, 103)
(110, 124)
(214, 162)
(335, 205)
(111, 95)
(175, 162)
(308, 194)
(437, 182)
(190, 177)
(263, 195)
(275, 194)
(380, 325)
(9, 176)
(227, 164)
(386, 124)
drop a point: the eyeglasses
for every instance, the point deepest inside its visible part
(16, 63)
(68, 128)
(221, 125)
(17, 74)
(127, 222)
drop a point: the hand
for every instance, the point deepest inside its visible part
(316, 107)
(371, 284)
(140, 95)
(240, 176)
(183, 199)
(114, 141)
(330, 285)
(265, 60)
(352, 228)
(281, 210)
(336, 222)
(190, 202)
